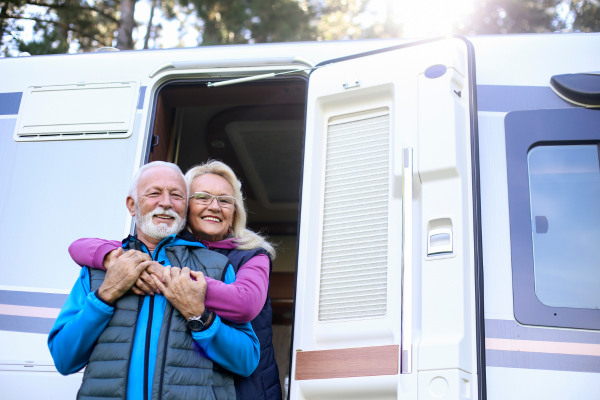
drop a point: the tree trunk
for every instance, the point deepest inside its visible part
(3, 18)
(126, 25)
(149, 24)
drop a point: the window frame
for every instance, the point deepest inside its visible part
(525, 130)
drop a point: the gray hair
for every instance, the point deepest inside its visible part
(136, 178)
(244, 238)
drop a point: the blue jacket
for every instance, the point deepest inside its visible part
(83, 317)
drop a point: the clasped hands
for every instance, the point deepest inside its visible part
(136, 271)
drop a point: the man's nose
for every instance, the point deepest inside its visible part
(165, 201)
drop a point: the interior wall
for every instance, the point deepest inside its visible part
(163, 130)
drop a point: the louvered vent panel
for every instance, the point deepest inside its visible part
(354, 254)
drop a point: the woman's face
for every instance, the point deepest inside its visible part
(210, 222)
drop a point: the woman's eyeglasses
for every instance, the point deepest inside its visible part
(207, 198)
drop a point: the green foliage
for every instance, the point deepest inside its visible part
(281, 21)
(49, 41)
(511, 16)
(58, 23)
(336, 19)
(252, 21)
(587, 15)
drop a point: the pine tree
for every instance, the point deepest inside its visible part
(58, 23)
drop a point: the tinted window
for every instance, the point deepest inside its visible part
(564, 191)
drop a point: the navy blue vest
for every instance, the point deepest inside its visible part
(263, 384)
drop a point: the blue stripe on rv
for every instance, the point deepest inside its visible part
(510, 329)
(32, 299)
(545, 361)
(142, 95)
(17, 323)
(10, 103)
(499, 98)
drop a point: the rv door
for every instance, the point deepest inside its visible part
(385, 301)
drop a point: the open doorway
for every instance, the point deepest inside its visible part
(258, 130)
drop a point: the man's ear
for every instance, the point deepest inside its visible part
(130, 203)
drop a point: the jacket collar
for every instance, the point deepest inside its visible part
(184, 238)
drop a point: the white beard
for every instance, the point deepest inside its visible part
(162, 230)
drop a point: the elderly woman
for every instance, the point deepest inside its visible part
(217, 216)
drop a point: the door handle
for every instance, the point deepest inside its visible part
(407, 222)
(439, 241)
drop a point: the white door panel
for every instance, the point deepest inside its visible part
(362, 113)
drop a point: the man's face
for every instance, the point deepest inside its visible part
(161, 205)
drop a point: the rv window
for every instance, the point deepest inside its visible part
(553, 171)
(564, 190)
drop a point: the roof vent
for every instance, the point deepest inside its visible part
(580, 89)
(106, 49)
(78, 111)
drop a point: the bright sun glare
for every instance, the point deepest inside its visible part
(427, 18)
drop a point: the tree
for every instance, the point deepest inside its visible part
(587, 15)
(252, 21)
(60, 22)
(512, 16)
(126, 25)
(336, 19)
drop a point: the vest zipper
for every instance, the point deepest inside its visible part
(155, 254)
(147, 351)
(164, 360)
(139, 309)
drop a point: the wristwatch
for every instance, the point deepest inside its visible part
(198, 324)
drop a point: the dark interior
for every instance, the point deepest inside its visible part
(258, 129)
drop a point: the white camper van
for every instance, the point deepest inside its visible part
(439, 224)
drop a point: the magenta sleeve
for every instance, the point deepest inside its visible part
(241, 301)
(91, 252)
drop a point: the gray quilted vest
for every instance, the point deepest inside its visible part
(181, 372)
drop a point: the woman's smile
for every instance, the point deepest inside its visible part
(210, 221)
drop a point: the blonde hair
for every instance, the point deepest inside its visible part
(244, 238)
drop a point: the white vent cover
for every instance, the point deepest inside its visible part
(353, 280)
(79, 111)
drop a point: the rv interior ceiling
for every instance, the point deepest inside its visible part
(257, 129)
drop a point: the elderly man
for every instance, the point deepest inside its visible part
(165, 346)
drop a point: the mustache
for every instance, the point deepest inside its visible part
(162, 211)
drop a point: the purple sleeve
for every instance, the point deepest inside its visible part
(91, 252)
(242, 300)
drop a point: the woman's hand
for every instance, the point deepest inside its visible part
(185, 294)
(145, 285)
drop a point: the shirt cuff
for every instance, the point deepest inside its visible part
(204, 338)
(101, 303)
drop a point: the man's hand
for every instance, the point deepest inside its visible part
(111, 257)
(122, 274)
(185, 294)
(145, 285)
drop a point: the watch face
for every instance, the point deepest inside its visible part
(195, 325)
